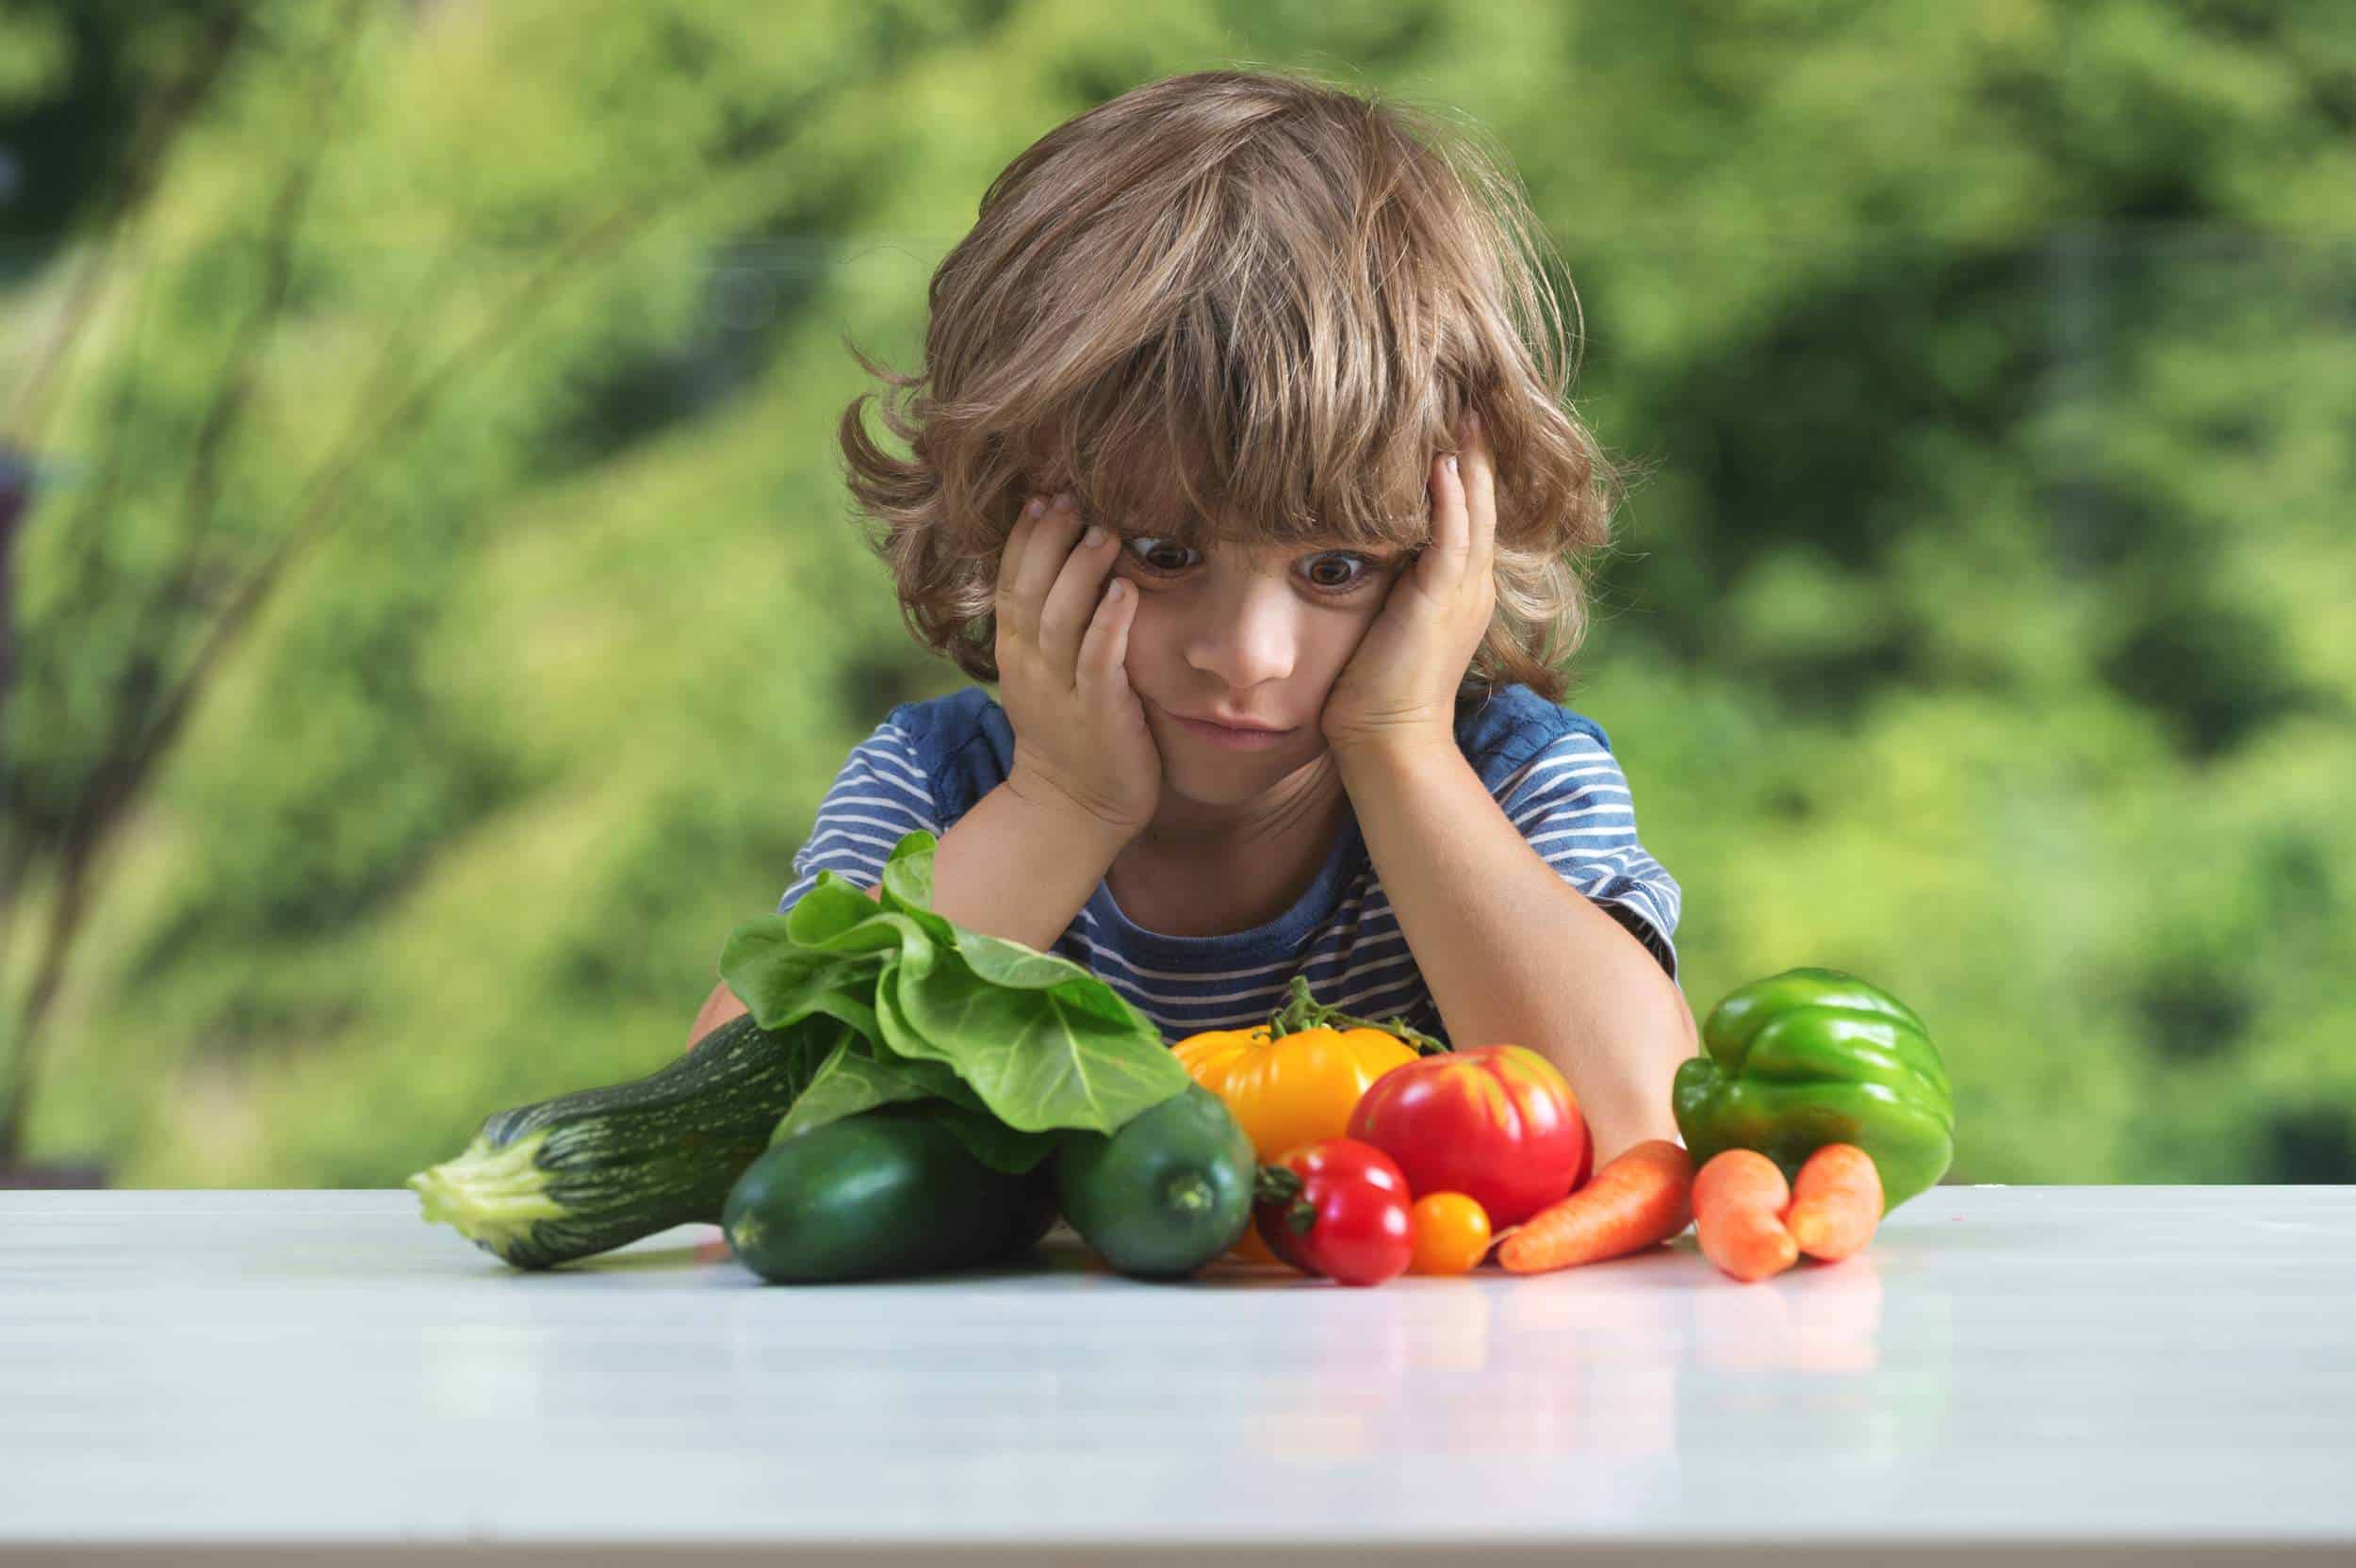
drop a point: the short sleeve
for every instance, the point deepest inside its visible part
(1571, 804)
(881, 795)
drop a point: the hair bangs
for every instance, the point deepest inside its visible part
(1252, 416)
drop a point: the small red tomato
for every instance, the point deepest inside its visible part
(1337, 1207)
(1499, 1124)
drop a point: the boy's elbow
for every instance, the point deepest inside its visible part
(718, 1008)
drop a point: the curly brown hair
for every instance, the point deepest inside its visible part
(1241, 307)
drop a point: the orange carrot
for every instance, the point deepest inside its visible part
(1835, 1202)
(1748, 1244)
(1742, 1179)
(1640, 1199)
(1739, 1200)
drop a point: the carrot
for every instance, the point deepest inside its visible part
(1835, 1202)
(1640, 1199)
(1739, 1200)
(1749, 1244)
(1742, 1179)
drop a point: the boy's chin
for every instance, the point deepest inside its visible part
(1230, 780)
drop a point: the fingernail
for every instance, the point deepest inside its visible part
(1451, 463)
(1095, 535)
(1472, 420)
(1063, 501)
(1037, 506)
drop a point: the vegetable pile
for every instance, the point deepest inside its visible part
(1813, 1056)
(906, 1096)
(903, 1096)
(1819, 1104)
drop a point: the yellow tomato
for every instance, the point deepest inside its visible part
(1293, 1089)
(1451, 1233)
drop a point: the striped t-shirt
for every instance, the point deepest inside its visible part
(1551, 770)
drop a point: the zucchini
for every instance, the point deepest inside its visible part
(586, 1172)
(890, 1191)
(1165, 1193)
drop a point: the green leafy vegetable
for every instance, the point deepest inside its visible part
(777, 978)
(1042, 1041)
(1013, 1043)
(849, 1081)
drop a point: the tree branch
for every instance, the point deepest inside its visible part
(167, 119)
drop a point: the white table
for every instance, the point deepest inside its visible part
(2008, 1372)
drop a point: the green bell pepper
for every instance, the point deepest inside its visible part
(1813, 1056)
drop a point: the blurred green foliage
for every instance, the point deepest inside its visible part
(1984, 628)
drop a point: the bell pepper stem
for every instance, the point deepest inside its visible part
(1304, 1011)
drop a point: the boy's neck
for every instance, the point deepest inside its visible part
(1209, 870)
(1303, 804)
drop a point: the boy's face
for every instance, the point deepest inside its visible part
(1259, 634)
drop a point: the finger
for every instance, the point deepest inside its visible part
(1043, 555)
(1072, 599)
(1480, 471)
(1010, 554)
(1104, 651)
(1448, 527)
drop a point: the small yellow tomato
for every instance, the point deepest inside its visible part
(1451, 1233)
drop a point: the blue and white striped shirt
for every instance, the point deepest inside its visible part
(1551, 770)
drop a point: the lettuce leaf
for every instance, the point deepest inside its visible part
(1023, 1043)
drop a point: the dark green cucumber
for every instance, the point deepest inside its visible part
(1167, 1192)
(586, 1172)
(891, 1191)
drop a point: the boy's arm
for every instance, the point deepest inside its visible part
(1512, 952)
(720, 1007)
(1011, 867)
(1021, 865)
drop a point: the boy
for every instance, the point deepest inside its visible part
(1289, 703)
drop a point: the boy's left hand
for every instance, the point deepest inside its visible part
(1398, 689)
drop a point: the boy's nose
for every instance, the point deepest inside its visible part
(1251, 638)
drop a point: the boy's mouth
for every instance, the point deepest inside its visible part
(1231, 735)
(1217, 723)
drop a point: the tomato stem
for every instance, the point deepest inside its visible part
(1304, 1011)
(1274, 1183)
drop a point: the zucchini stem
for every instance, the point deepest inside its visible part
(493, 1196)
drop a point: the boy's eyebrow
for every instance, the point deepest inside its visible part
(1306, 546)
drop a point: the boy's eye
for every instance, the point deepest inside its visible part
(1329, 572)
(1145, 545)
(1350, 569)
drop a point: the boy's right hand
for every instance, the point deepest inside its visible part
(1080, 737)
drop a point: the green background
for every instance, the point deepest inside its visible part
(440, 612)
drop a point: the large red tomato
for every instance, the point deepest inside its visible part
(1499, 1124)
